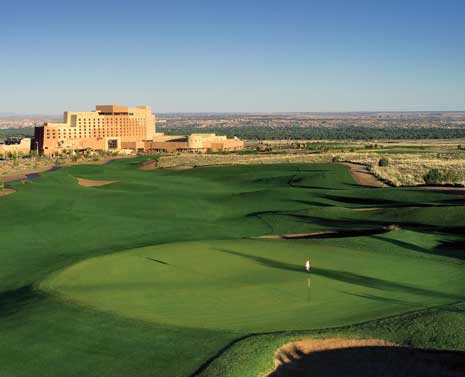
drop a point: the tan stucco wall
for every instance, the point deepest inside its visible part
(24, 147)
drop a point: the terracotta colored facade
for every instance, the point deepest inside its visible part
(108, 127)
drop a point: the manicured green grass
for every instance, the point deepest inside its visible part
(258, 286)
(83, 292)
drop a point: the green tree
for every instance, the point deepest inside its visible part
(384, 162)
(434, 177)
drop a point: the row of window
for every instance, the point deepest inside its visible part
(74, 136)
(116, 120)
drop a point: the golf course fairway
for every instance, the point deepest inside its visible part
(201, 272)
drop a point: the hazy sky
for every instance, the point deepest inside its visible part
(183, 56)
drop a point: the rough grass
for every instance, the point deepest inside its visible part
(407, 164)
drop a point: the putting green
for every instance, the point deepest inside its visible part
(261, 285)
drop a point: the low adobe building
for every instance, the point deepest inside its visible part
(23, 147)
(201, 143)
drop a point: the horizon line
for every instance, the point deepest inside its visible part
(7, 113)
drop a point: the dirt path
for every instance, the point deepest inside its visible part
(24, 175)
(363, 358)
(91, 183)
(362, 175)
(7, 191)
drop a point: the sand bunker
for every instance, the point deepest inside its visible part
(297, 235)
(7, 191)
(91, 183)
(363, 176)
(333, 233)
(363, 358)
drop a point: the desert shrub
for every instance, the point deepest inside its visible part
(383, 162)
(452, 176)
(434, 177)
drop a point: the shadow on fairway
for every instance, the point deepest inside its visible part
(375, 361)
(311, 203)
(378, 298)
(14, 301)
(345, 277)
(338, 234)
(156, 260)
(387, 203)
(454, 249)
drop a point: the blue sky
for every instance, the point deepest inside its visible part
(197, 56)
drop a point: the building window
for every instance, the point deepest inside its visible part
(112, 144)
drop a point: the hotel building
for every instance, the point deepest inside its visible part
(108, 127)
(112, 127)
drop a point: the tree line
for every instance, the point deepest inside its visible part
(322, 133)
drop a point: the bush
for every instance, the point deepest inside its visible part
(434, 177)
(383, 162)
(337, 159)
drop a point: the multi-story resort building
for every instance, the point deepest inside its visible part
(112, 127)
(108, 127)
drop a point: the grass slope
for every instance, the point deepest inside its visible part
(61, 236)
